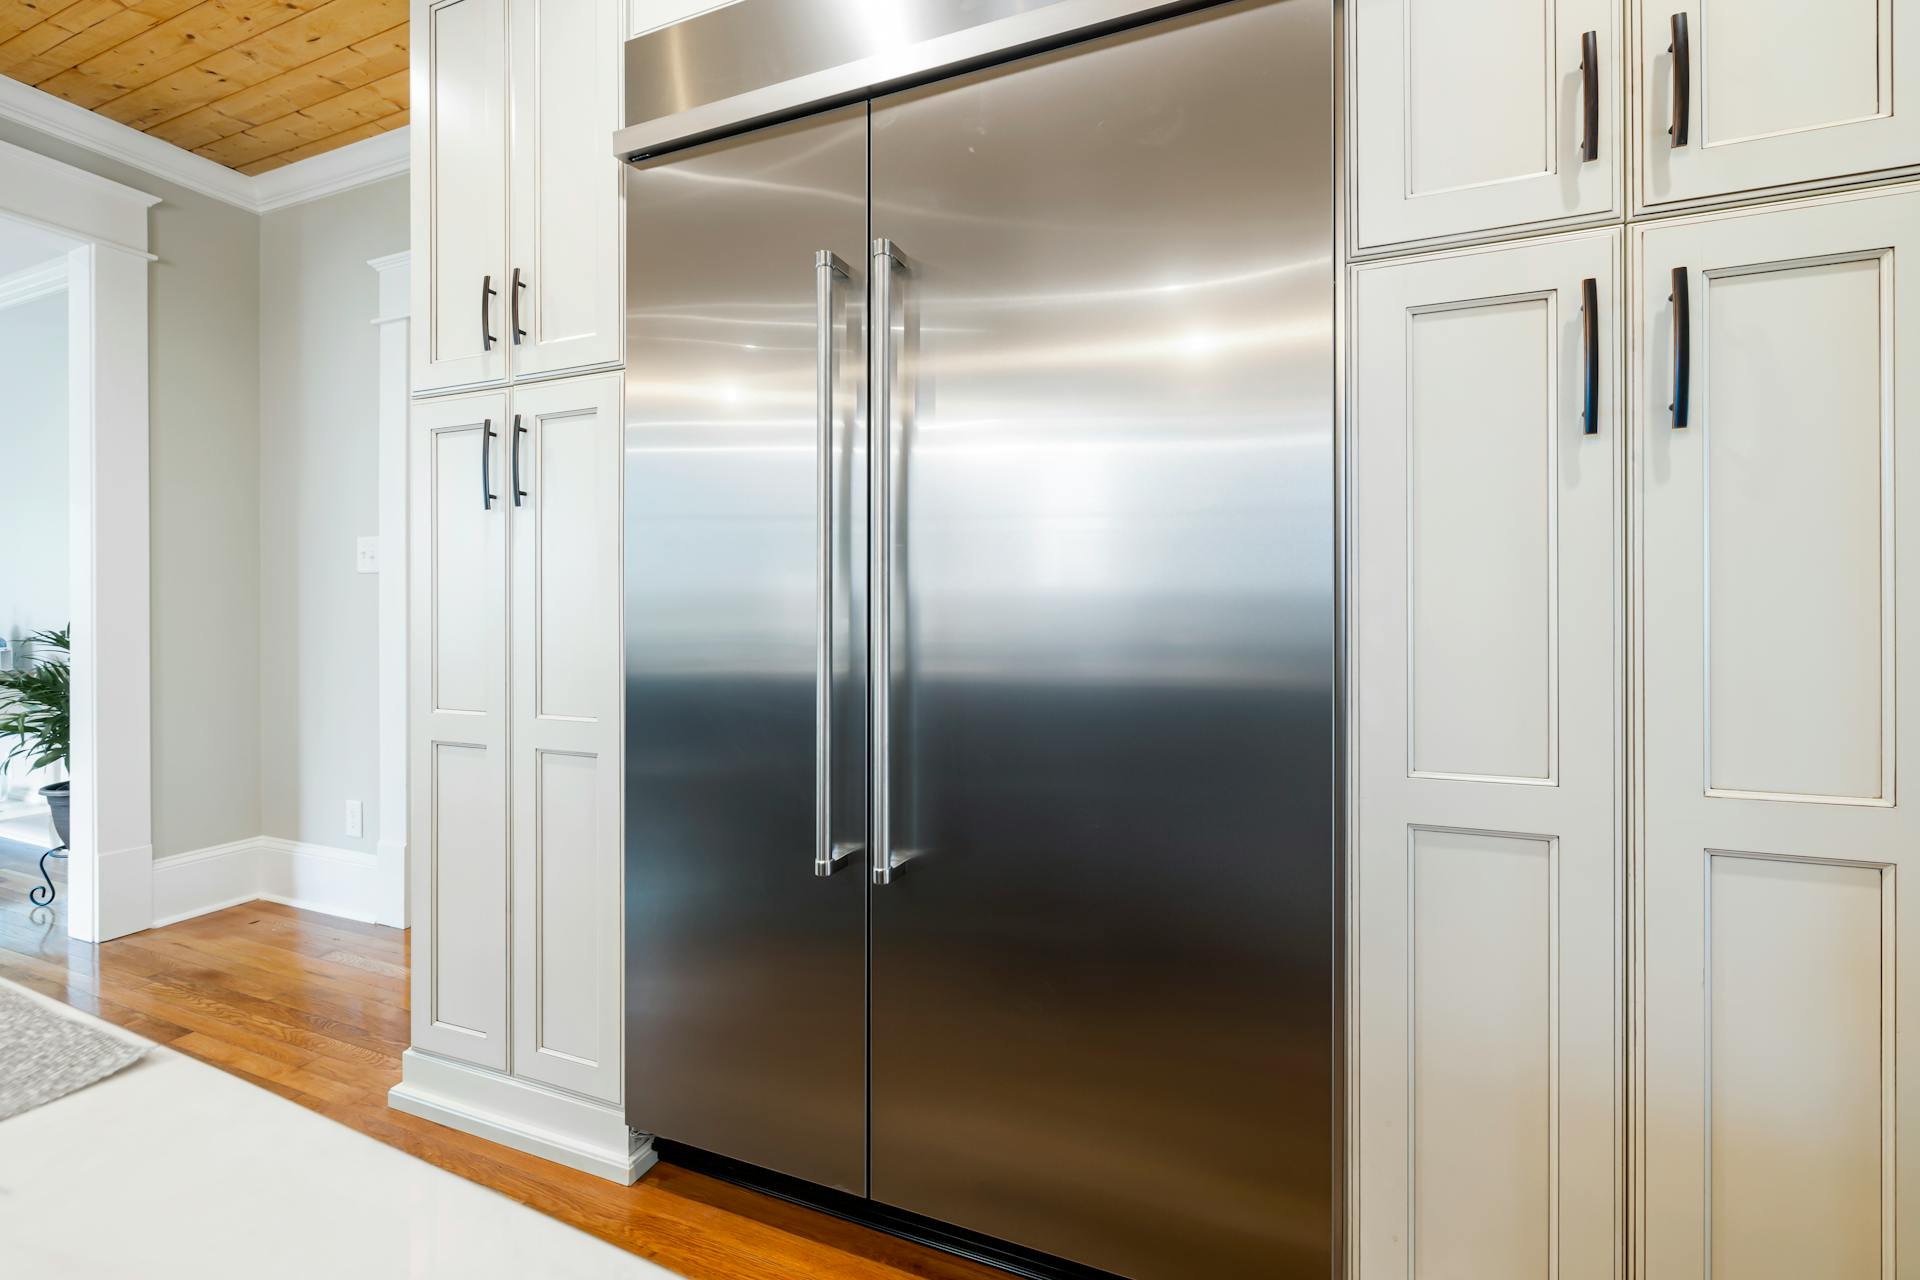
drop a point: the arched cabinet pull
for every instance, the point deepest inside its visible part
(487, 435)
(1682, 348)
(513, 306)
(1682, 52)
(486, 323)
(1590, 343)
(519, 494)
(1590, 80)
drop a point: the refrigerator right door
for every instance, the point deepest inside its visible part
(1102, 973)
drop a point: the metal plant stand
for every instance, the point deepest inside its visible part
(43, 895)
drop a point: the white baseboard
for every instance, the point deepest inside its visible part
(335, 882)
(589, 1136)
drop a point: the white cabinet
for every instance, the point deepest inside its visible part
(566, 186)
(459, 86)
(517, 681)
(649, 15)
(1475, 116)
(516, 191)
(1488, 632)
(457, 630)
(564, 492)
(1776, 543)
(1773, 94)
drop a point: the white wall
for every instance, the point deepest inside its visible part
(204, 356)
(319, 467)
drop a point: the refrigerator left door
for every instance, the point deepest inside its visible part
(746, 965)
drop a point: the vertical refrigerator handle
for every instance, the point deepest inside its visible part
(827, 857)
(886, 259)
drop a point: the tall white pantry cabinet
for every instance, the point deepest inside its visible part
(514, 578)
(1632, 367)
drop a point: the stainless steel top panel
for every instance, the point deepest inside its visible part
(755, 62)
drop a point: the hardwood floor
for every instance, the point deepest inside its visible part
(315, 1009)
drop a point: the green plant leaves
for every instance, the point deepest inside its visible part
(34, 701)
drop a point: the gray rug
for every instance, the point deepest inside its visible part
(46, 1055)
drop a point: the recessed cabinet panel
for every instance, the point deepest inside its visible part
(578, 619)
(1482, 1053)
(464, 566)
(1797, 1013)
(1470, 117)
(1450, 47)
(459, 193)
(1794, 512)
(1770, 94)
(1480, 549)
(457, 633)
(1784, 66)
(466, 855)
(1777, 992)
(568, 987)
(567, 685)
(566, 187)
(1488, 661)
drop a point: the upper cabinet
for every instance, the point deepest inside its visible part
(1766, 95)
(650, 15)
(459, 192)
(516, 191)
(1471, 119)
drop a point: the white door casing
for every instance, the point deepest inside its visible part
(1468, 119)
(460, 733)
(1489, 642)
(460, 152)
(1783, 93)
(567, 187)
(568, 684)
(1777, 994)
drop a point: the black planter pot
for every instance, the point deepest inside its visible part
(60, 801)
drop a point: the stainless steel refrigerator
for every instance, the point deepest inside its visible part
(980, 634)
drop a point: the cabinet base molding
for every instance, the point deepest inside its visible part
(589, 1136)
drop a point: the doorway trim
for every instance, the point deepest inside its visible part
(110, 867)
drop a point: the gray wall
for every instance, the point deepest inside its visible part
(204, 326)
(33, 466)
(319, 464)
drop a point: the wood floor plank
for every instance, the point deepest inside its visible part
(314, 1010)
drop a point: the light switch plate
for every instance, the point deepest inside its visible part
(366, 557)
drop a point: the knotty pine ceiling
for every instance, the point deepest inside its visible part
(252, 84)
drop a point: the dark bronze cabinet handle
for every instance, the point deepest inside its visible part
(1682, 347)
(1590, 340)
(487, 436)
(1590, 79)
(1682, 81)
(486, 323)
(518, 493)
(513, 296)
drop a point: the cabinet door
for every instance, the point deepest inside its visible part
(460, 193)
(563, 490)
(1469, 116)
(1779, 996)
(457, 631)
(650, 15)
(563, 300)
(1488, 875)
(1778, 93)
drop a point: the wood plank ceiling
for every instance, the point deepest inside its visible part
(251, 84)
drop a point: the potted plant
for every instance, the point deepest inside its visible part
(33, 712)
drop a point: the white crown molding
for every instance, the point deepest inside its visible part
(384, 155)
(334, 171)
(33, 282)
